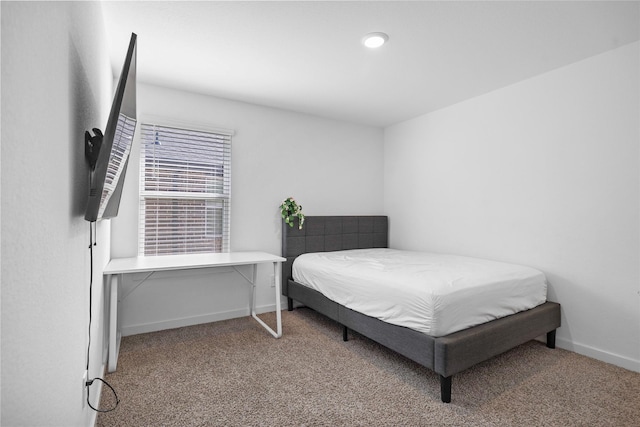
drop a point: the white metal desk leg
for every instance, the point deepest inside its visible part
(278, 333)
(276, 275)
(254, 275)
(114, 338)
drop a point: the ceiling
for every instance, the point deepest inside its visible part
(308, 56)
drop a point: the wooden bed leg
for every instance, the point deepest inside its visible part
(445, 389)
(289, 304)
(345, 333)
(551, 339)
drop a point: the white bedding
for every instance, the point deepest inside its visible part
(433, 293)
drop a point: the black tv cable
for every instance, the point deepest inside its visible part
(89, 382)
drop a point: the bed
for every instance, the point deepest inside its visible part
(447, 354)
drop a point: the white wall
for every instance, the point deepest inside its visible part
(330, 167)
(545, 173)
(56, 82)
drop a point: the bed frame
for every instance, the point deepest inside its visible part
(447, 355)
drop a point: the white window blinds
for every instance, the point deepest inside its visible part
(185, 187)
(120, 150)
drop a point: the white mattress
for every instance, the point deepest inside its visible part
(432, 293)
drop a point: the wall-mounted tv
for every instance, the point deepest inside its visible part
(108, 153)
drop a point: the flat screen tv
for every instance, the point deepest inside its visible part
(108, 153)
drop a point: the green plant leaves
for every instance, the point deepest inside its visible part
(290, 210)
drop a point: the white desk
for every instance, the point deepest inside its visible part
(117, 267)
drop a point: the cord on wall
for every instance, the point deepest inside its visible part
(89, 382)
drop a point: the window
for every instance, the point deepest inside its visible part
(185, 185)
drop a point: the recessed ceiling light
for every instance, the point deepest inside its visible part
(375, 40)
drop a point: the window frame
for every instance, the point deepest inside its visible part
(223, 196)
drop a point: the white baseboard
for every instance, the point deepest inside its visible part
(595, 353)
(192, 320)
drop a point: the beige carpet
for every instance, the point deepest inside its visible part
(233, 373)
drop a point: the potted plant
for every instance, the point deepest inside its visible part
(291, 210)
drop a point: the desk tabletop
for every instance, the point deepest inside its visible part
(180, 262)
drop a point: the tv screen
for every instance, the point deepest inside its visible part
(112, 148)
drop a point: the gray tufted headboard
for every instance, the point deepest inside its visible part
(331, 233)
